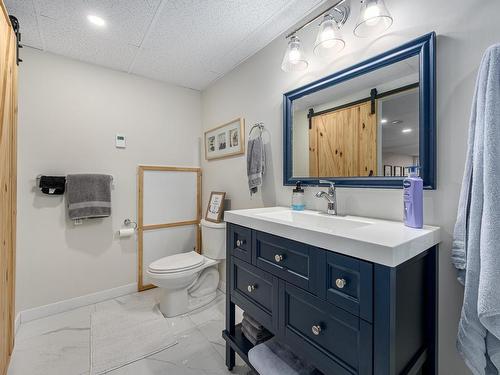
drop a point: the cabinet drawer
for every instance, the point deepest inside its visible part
(239, 242)
(289, 260)
(334, 340)
(348, 284)
(255, 291)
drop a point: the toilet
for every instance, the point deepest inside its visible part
(189, 280)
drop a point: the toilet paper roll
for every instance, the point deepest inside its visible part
(126, 232)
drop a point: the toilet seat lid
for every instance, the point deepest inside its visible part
(177, 262)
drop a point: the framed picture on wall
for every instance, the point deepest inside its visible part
(225, 140)
(215, 207)
(388, 170)
(398, 171)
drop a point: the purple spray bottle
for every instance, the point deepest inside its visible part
(413, 199)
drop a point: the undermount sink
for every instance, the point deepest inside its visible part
(314, 220)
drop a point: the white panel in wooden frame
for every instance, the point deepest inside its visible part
(168, 199)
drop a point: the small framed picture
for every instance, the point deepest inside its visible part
(398, 171)
(225, 140)
(406, 171)
(215, 207)
(388, 170)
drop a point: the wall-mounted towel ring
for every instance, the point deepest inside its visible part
(259, 126)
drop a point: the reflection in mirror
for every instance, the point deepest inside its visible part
(365, 126)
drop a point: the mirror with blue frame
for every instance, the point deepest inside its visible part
(366, 125)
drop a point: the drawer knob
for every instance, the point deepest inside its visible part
(341, 283)
(250, 288)
(240, 242)
(316, 330)
(278, 258)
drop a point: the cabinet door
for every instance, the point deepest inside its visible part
(348, 283)
(335, 341)
(239, 242)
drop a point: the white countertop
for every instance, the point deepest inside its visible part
(385, 242)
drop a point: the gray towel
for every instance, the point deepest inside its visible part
(251, 332)
(256, 163)
(274, 358)
(88, 195)
(252, 321)
(476, 238)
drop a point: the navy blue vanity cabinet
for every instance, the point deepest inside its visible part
(345, 315)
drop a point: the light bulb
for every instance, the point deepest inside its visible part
(329, 39)
(96, 20)
(371, 14)
(294, 59)
(374, 18)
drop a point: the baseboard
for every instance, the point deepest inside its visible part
(73, 303)
(17, 323)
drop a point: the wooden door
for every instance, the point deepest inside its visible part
(367, 141)
(343, 143)
(8, 118)
(336, 143)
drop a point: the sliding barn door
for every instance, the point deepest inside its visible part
(343, 143)
(8, 115)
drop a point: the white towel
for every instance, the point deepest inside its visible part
(476, 239)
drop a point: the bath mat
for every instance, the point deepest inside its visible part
(120, 338)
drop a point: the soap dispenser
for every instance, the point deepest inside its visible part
(413, 199)
(298, 198)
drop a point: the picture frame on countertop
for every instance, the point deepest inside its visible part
(398, 171)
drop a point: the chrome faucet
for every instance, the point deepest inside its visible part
(331, 197)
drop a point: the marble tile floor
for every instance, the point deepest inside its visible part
(60, 344)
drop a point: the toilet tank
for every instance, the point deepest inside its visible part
(213, 237)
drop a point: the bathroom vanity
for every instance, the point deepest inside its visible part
(352, 295)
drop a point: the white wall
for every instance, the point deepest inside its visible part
(69, 113)
(254, 90)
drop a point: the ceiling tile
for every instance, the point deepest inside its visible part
(25, 13)
(126, 21)
(186, 42)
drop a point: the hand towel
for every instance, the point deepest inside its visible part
(476, 238)
(256, 163)
(274, 358)
(258, 335)
(88, 195)
(252, 321)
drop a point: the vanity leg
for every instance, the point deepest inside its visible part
(230, 327)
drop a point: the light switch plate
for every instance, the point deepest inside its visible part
(120, 141)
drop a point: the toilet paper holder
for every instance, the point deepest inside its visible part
(128, 222)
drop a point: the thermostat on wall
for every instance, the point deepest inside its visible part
(120, 141)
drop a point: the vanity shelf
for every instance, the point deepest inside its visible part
(346, 315)
(238, 342)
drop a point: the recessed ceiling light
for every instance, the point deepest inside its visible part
(408, 130)
(383, 121)
(96, 20)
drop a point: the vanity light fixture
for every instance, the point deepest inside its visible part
(294, 59)
(374, 18)
(96, 20)
(407, 130)
(329, 40)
